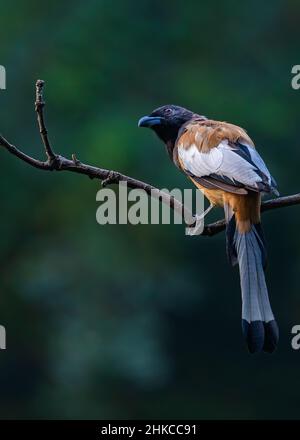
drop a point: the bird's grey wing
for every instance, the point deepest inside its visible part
(235, 165)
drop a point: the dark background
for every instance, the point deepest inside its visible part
(140, 321)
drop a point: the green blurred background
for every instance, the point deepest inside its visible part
(140, 321)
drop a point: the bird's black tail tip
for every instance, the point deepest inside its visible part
(261, 336)
(271, 336)
(254, 333)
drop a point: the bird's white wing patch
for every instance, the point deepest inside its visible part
(224, 161)
(200, 164)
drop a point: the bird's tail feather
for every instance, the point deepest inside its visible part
(248, 250)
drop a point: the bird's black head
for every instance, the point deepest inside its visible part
(166, 121)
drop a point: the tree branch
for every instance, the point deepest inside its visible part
(39, 108)
(60, 163)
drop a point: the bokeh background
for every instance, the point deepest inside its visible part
(140, 321)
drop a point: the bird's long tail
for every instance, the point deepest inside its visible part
(248, 250)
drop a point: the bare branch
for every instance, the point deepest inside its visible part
(61, 163)
(39, 108)
(28, 159)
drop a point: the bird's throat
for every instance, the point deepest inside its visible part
(170, 147)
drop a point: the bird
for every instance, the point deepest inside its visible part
(221, 160)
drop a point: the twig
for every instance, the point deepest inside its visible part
(39, 108)
(61, 163)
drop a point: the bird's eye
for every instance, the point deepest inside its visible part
(168, 111)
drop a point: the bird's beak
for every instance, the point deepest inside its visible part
(150, 121)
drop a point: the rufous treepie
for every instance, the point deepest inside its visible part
(221, 160)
